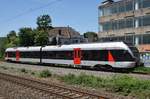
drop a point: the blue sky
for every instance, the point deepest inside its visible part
(82, 15)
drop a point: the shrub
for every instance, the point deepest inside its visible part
(44, 73)
(32, 73)
(24, 70)
(123, 84)
(4, 67)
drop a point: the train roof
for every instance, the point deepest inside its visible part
(86, 46)
(119, 45)
(37, 48)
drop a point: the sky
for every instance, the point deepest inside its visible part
(82, 15)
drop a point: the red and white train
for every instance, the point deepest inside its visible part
(110, 54)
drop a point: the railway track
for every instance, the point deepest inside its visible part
(54, 91)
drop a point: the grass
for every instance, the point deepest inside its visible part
(25, 71)
(44, 74)
(124, 85)
(142, 70)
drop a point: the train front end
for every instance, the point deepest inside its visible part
(136, 55)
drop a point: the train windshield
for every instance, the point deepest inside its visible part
(135, 51)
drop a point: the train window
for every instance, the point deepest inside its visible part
(33, 54)
(57, 55)
(103, 55)
(94, 55)
(121, 55)
(48, 55)
(12, 54)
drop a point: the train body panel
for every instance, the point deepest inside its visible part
(90, 63)
(114, 54)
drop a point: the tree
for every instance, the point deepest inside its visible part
(41, 38)
(91, 36)
(12, 39)
(44, 22)
(11, 35)
(3, 43)
(26, 37)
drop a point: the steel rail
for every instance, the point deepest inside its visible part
(52, 89)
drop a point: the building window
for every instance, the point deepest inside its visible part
(114, 25)
(146, 3)
(146, 20)
(106, 26)
(100, 12)
(146, 39)
(121, 24)
(129, 23)
(129, 6)
(126, 23)
(121, 7)
(130, 39)
(106, 11)
(114, 9)
(140, 39)
(140, 3)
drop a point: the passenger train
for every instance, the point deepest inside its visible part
(109, 55)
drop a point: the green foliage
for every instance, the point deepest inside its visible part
(128, 85)
(33, 73)
(124, 85)
(4, 67)
(3, 41)
(23, 70)
(12, 39)
(44, 22)
(12, 68)
(41, 38)
(26, 37)
(11, 36)
(45, 73)
(142, 70)
(91, 36)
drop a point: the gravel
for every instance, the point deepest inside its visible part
(14, 91)
(1, 97)
(65, 71)
(13, 67)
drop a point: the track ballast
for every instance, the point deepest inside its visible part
(53, 91)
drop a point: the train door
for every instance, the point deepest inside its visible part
(17, 55)
(77, 56)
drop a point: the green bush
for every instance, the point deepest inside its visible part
(44, 73)
(33, 73)
(24, 70)
(4, 67)
(12, 68)
(124, 85)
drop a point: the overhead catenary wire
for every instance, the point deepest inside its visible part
(30, 11)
